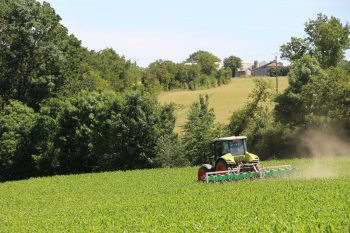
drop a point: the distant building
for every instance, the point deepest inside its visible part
(245, 70)
(264, 69)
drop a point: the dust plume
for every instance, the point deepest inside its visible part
(323, 146)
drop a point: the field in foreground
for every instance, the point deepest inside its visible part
(224, 99)
(170, 200)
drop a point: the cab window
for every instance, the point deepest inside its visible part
(237, 147)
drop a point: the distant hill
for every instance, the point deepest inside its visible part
(224, 99)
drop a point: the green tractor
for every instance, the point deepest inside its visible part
(230, 160)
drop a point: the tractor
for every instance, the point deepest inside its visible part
(231, 160)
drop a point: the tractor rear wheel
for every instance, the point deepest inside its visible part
(221, 165)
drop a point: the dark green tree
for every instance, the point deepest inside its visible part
(41, 145)
(290, 106)
(279, 71)
(16, 123)
(198, 131)
(37, 56)
(139, 121)
(164, 72)
(233, 63)
(85, 131)
(188, 76)
(206, 60)
(327, 99)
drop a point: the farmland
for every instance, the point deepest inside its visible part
(224, 99)
(170, 200)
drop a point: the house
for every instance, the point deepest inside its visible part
(245, 69)
(264, 69)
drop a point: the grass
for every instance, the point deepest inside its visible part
(170, 200)
(224, 99)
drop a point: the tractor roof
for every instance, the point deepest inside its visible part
(230, 138)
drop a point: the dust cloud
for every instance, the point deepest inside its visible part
(323, 146)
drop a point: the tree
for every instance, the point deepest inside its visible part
(223, 76)
(295, 49)
(327, 98)
(16, 123)
(169, 149)
(290, 106)
(198, 131)
(326, 39)
(122, 75)
(278, 71)
(138, 127)
(85, 136)
(164, 72)
(242, 118)
(150, 84)
(37, 56)
(188, 75)
(41, 145)
(206, 60)
(330, 39)
(233, 63)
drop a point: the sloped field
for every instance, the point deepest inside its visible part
(224, 99)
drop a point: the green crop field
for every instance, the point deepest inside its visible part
(224, 99)
(316, 199)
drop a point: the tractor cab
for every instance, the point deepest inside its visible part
(235, 145)
(230, 152)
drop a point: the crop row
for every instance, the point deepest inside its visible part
(170, 200)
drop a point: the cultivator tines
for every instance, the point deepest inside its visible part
(255, 172)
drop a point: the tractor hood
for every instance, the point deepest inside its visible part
(229, 158)
(246, 158)
(251, 158)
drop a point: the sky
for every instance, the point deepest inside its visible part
(145, 31)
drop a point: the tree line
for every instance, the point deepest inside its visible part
(90, 132)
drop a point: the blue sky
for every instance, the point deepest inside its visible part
(145, 31)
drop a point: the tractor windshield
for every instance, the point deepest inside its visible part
(237, 147)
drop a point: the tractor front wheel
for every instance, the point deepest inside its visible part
(221, 165)
(202, 171)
